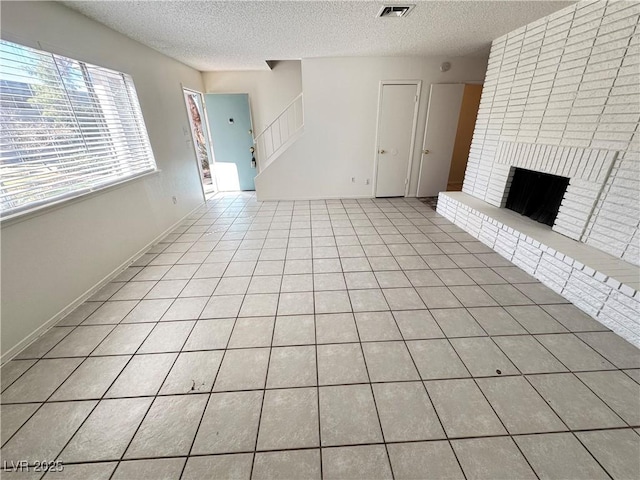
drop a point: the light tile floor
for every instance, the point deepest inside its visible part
(335, 339)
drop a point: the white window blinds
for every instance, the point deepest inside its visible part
(66, 128)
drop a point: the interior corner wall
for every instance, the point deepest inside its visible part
(52, 259)
(270, 91)
(570, 81)
(340, 120)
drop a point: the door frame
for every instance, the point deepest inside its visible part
(418, 84)
(205, 121)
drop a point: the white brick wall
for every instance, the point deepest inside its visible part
(611, 302)
(562, 95)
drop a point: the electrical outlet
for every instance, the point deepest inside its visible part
(367, 181)
(174, 200)
(353, 179)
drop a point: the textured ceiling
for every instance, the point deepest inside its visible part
(241, 35)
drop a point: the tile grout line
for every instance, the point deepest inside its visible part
(373, 397)
(341, 384)
(47, 400)
(264, 391)
(102, 396)
(294, 449)
(424, 386)
(571, 431)
(150, 404)
(479, 389)
(356, 237)
(315, 341)
(195, 435)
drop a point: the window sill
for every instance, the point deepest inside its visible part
(65, 202)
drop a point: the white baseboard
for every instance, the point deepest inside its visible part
(33, 336)
(325, 197)
(313, 197)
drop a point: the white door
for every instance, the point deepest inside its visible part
(439, 138)
(200, 138)
(396, 130)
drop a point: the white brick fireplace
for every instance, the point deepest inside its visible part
(562, 96)
(587, 169)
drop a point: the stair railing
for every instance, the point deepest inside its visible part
(277, 135)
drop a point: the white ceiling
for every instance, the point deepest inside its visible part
(241, 35)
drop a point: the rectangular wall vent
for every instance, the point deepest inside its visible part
(395, 11)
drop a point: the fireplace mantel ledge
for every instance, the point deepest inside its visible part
(565, 265)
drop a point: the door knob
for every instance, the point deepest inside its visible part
(381, 151)
(425, 152)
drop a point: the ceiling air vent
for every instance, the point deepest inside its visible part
(395, 11)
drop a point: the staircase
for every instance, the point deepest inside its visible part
(280, 133)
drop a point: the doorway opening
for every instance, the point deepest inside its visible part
(451, 119)
(464, 136)
(201, 141)
(229, 120)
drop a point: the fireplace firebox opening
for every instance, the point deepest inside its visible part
(536, 195)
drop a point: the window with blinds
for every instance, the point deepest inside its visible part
(67, 128)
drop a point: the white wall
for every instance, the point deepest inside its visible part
(50, 260)
(340, 109)
(270, 91)
(568, 83)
